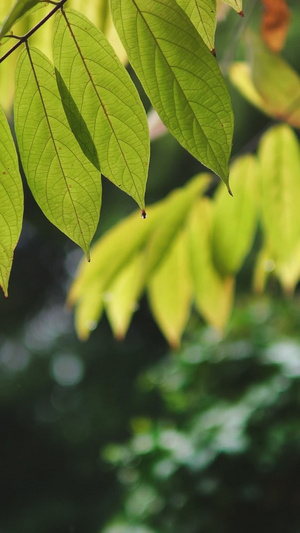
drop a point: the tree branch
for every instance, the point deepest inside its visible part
(24, 38)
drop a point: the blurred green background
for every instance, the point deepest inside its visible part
(129, 437)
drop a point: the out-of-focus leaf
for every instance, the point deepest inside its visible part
(156, 126)
(275, 23)
(275, 81)
(237, 5)
(11, 205)
(170, 291)
(64, 183)
(19, 9)
(120, 299)
(235, 219)
(89, 311)
(213, 293)
(180, 76)
(203, 15)
(264, 266)
(240, 76)
(279, 158)
(102, 103)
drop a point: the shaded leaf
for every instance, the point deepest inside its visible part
(213, 293)
(235, 219)
(170, 291)
(102, 104)
(120, 299)
(203, 15)
(180, 76)
(275, 23)
(64, 183)
(19, 9)
(236, 4)
(275, 81)
(279, 158)
(11, 205)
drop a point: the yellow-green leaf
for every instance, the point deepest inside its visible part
(11, 204)
(180, 76)
(64, 183)
(102, 103)
(236, 4)
(20, 8)
(203, 15)
(213, 292)
(235, 219)
(170, 291)
(279, 158)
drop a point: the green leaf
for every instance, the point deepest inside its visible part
(170, 291)
(277, 84)
(180, 76)
(235, 219)
(213, 292)
(89, 311)
(279, 158)
(20, 8)
(11, 205)
(121, 297)
(203, 15)
(64, 183)
(102, 104)
(236, 4)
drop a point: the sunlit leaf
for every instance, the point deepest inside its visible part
(240, 76)
(180, 76)
(236, 4)
(279, 158)
(65, 184)
(213, 293)
(89, 312)
(275, 23)
(101, 103)
(18, 10)
(170, 291)
(275, 81)
(235, 219)
(11, 205)
(120, 299)
(203, 15)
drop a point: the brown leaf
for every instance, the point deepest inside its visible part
(275, 23)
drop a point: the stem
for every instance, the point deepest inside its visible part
(25, 37)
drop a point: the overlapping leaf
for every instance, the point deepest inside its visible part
(203, 15)
(235, 219)
(101, 103)
(170, 291)
(213, 292)
(64, 183)
(180, 76)
(19, 9)
(279, 158)
(11, 205)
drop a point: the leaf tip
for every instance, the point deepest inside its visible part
(241, 13)
(229, 190)
(213, 51)
(143, 214)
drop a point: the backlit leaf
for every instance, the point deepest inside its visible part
(18, 10)
(240, 76)
(279, 158)
(180, 76)
(213, 293)
(236, 4)
(170, 291)
(64, 183)
(11, 205)
(101, 103)
(235, 219)
(203, 15)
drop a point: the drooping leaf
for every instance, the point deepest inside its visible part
(275, 23)
(64, 183)
(279, 157)
(170, 291)
(89, 311)
(11, 204)
(203, 15)
(180, 76)
(102, 104)
(234, 220)
(213, 292)
(275, 81)
(236, 4)
(19, 9)
(121, 297)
